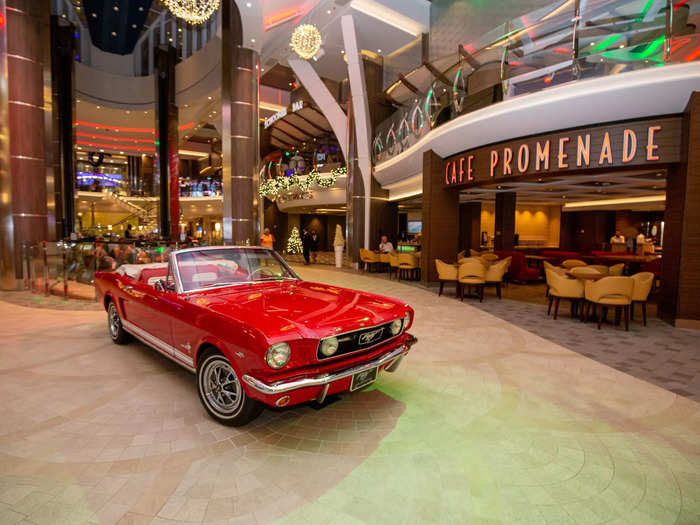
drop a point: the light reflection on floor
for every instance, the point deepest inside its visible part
(483, 423)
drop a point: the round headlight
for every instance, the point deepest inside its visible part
(396, 326)
(278, 355)
(406, 320)
(329, 346)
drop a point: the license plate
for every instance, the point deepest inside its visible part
(364, 378)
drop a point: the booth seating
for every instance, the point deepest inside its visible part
(561, 287)
(471, 274)
(369, 259)
(643, 281)
(447, 273)
(558, 257)
(519, 270)
(610, 292)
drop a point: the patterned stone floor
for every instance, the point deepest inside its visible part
(485, 422)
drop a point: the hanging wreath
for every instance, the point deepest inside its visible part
(272, 188)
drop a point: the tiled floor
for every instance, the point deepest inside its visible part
(484, 423)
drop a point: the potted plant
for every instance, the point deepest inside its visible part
(338, 245)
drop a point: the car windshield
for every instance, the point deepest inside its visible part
(215, 267)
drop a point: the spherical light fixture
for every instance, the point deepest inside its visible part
(306, 41)
(192, 11)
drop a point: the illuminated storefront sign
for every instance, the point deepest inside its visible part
(296, 106)
(637, 143)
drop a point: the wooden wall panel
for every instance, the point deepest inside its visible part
(504, 234)
(440, 218)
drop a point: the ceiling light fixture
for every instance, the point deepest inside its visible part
(192, 11)
(306, 41)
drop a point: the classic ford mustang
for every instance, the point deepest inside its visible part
(253, 332)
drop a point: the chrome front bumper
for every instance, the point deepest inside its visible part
(393, 357)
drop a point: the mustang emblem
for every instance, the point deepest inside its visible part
(370, 337)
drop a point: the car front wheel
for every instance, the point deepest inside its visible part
(114, 323)
(221, 392)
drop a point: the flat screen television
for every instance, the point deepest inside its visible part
(415, 226)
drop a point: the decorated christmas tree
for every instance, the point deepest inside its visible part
(339, 239)
(294, 242)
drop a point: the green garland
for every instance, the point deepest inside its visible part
(271, 188)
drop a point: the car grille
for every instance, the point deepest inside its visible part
(362, 339)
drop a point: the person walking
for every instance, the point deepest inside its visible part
(306, 245)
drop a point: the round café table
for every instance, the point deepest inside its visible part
(586, 276)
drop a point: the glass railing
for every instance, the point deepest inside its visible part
(564, 42)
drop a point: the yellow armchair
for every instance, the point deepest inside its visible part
(446, 273)
(474, 253)
(643, 282)
(408, 265)
(495, 273)
(393, 263)
(561, 287)
(472, 274)
(369, 259)
(610, 292)
(616, 269)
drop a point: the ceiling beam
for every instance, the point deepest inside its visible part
(286, 122)
(408, 84)
(283, 141)
(309, 122)
(468, 57)
(437, 73)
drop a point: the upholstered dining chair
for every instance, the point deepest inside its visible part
(577, 271)
(480, 260)
(369, 259)
(561, 287)
(471, 274)
(474, 253)
(643, 281)
(393, 263)
(490, 257)
(616, 269)
(600, 267)
(384, 261)
(610, 292)
(573, 263)
(408, 265)
(462, 254)
(494, 274)
(447, 273)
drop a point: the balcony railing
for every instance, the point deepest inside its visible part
(567, 41)
(165, 29)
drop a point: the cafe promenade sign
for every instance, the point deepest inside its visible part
(629, 144)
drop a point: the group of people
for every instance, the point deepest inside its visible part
(309, 243)
(619, 243)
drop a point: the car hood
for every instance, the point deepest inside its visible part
(311, 309)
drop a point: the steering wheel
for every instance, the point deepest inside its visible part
(265, 272)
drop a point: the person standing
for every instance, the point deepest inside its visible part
(314, 245)
(267, 240)
(618, 242)
(306, 244)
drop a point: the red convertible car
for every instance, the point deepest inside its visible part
(253, 332)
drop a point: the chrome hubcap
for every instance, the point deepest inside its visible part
(114, 322)
(221, 387)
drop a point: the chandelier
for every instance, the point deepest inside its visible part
(306, 41)
(192, 11)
